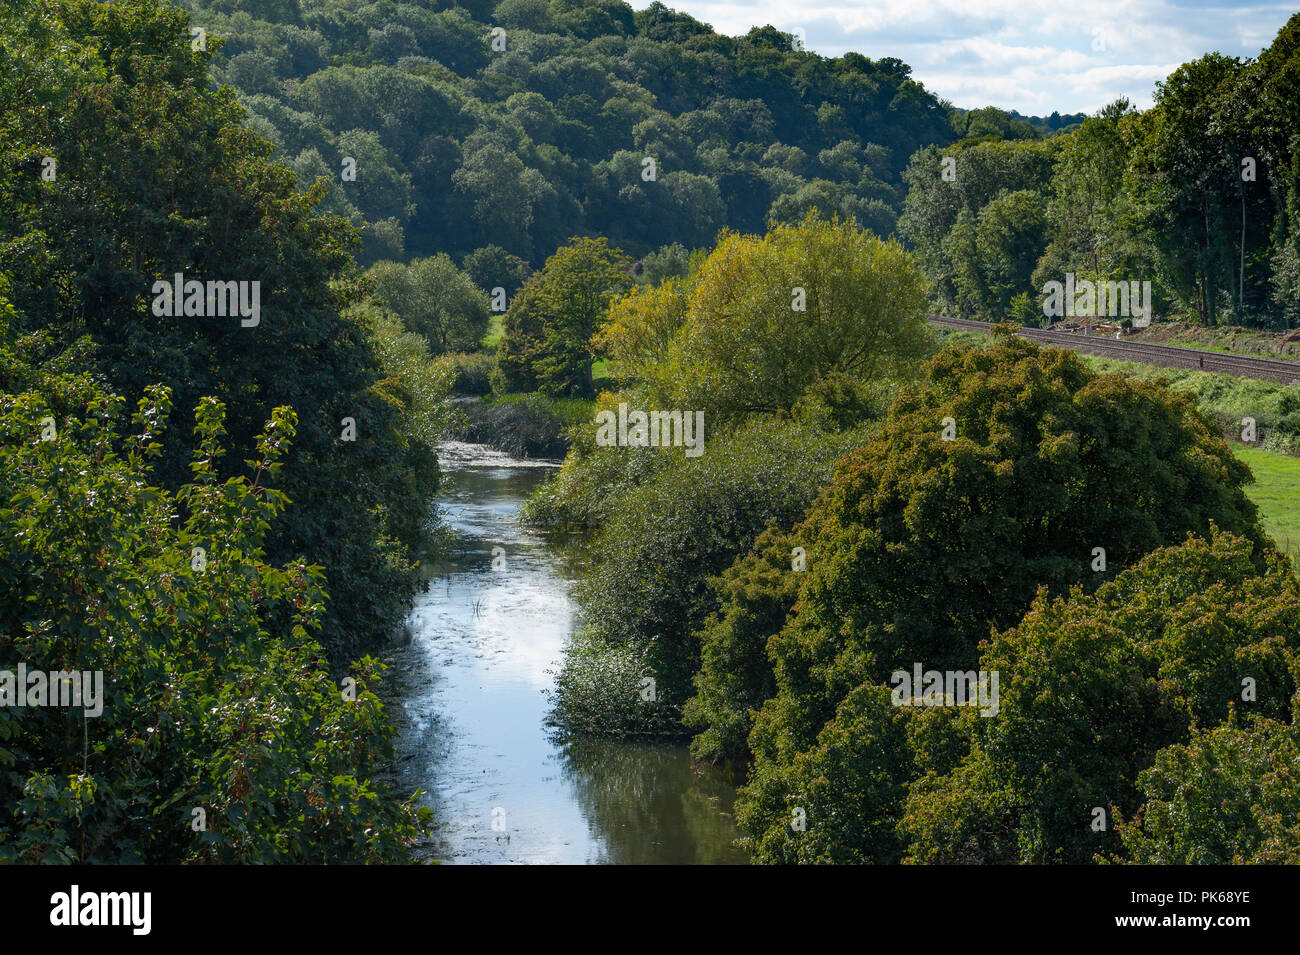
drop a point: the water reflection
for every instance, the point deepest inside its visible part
(650, 805)
(468, 697)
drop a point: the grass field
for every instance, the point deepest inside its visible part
(1277, 493)
(493, 333)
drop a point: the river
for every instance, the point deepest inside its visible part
(468, 695)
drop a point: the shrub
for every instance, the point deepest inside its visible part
(922, 544)
(585, 491)
(1093, 688)
(470, 372)
(602, 689)
(648, 567)
(524, 426)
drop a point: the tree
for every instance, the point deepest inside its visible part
(1096, 689)
(922, 544)
(1227, 796)
(1189, 178)
(947, 190)
(670, 261)
(549, 325)
(994, 256)
(493, 267)
(380, 190)
(157, 174)
(1086, 187)
(754, 595)
(762, 319)
(433, 298)
(216, 694)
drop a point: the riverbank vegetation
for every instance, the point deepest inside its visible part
(230, 575)
(1008, 502)
(510, 222)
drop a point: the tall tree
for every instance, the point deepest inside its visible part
(549, 327)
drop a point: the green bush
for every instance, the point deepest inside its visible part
(610, 689)
(470, 372)
(216, 692)
(584, 493)
(1093, 688)
(648, 567)
(922, 544)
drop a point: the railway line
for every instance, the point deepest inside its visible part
(1168, 356)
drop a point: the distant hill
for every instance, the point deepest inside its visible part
(522, 123)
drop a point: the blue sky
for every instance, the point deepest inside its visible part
(1068, 55)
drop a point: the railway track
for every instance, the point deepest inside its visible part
(1168, 356)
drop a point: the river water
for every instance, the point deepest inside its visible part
(468, 696)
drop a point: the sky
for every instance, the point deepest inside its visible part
(1035, 57)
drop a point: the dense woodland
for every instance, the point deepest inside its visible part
(460, 144)
(560, 207)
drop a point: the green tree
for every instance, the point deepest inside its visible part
(1095, 688)
(994, 255)
(433, 298)
(754, 595)
(216, 695)
(157, 174)
(948, 188)
(548, 328)
(1189, 174)
(922, 544)
(1228, 796)
(762, 319)
(493, 267)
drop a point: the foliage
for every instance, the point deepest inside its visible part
(433, 298)
(156, 175)
(524, 426)
(602, 690)
(762, 319)
(1047, 463)
(549, 325)
(754, 596)
(493, 267)
(471, 372)
(1094, 689)
(584, 494)
(1197, 195)
(937, 206)
(647, 568)
(1227, 796)
(216, 694)
(460, 146)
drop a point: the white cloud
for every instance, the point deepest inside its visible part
(1031, 55)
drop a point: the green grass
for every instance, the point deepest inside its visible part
(1277, 479)
(493, 333)
(1223, 349)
